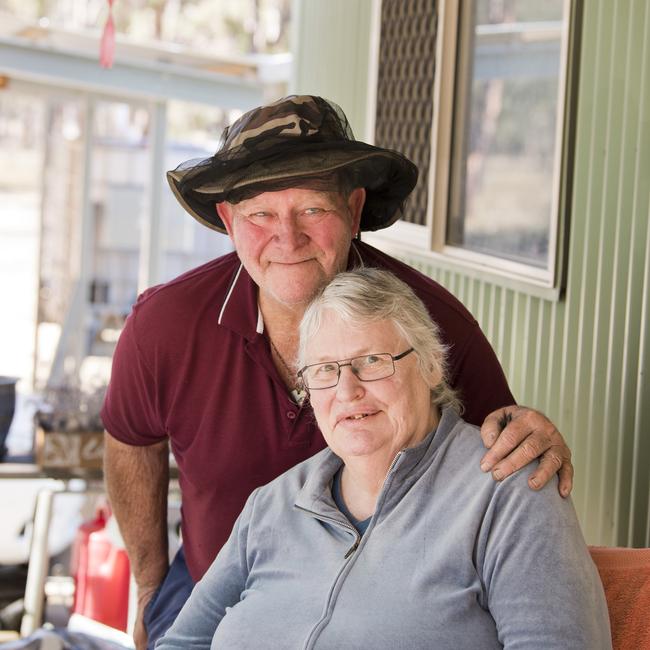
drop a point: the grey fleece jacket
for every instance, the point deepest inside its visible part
(451, 559)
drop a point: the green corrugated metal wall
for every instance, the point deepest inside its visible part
(331, 46)
(584, 360)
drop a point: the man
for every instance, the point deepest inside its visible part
(205, 361)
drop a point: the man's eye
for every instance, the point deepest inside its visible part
(372, 359)
(313, 211)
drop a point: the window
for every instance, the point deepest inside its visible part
(498, 177)
(507, 135)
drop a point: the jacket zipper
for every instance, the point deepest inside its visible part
(342, 524)
(310, 639)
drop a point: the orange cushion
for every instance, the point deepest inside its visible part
(625, 573)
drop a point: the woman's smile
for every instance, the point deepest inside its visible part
(356, 417)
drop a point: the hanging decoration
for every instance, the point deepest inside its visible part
(107, 45)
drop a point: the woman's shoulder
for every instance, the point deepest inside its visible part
(285, 487)
(462, 443)
(463, 452)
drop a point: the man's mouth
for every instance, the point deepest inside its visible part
(291, 262)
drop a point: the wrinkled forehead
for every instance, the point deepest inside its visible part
(338, 185)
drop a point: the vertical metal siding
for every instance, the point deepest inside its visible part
(584, 360)
(333, 52)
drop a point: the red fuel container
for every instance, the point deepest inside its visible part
(101, 573)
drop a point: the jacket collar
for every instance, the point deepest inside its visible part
(408, 466)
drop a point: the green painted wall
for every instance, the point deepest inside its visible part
(583, 360)
(332, 46)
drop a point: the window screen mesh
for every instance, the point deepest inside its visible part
(405, 89)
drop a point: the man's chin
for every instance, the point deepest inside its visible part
(294, 289)
(296, 298)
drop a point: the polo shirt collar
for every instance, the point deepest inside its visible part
(240, 310)
(355, 261)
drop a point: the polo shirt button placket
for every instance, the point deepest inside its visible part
(291, 415)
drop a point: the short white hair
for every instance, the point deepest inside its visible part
(370, 295)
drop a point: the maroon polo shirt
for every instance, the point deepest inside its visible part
(194, 366)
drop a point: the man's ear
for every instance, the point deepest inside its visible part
(356, 201)
(224, 210)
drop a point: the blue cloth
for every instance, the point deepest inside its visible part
(452, 560)
(167, 602)
(361, 526)
(61, 639)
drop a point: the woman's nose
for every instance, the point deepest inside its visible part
(350, 386)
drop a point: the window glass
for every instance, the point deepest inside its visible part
(508, 88)
(193, 132)
(22, 134)
(120, 165)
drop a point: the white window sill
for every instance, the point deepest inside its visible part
(405, 240)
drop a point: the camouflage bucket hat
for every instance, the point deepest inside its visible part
(298, 141)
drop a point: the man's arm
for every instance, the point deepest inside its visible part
(515, 436)
(218, 590)
(137, 480)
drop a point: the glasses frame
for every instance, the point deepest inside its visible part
(348, 362)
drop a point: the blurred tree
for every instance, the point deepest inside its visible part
(212, 26)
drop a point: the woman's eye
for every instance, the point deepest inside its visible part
(372, 359)
(327, 369)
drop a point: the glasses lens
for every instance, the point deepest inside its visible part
(373, 366)
(322, 375)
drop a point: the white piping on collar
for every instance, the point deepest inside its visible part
(360, 263)
(232, 287)
(260, 321)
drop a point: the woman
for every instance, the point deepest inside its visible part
(390, 538)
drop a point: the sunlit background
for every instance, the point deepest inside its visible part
(77, 193)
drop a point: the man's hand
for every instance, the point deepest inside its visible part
(137, 480)
(515, 436)
(139, 630)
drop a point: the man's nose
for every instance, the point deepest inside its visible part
(289, 232)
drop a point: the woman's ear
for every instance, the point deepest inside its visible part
(434, 376)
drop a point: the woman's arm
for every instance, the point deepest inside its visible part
(221, 587)
(542, 587)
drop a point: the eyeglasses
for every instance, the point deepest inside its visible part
(368, 367)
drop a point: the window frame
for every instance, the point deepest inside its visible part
(428, 243)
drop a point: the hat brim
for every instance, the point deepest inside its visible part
(388, 177)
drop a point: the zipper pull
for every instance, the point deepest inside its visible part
(353, 549)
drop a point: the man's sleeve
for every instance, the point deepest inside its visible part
(220, 588)
(130, 412)
(475, 372)
(543, 590)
